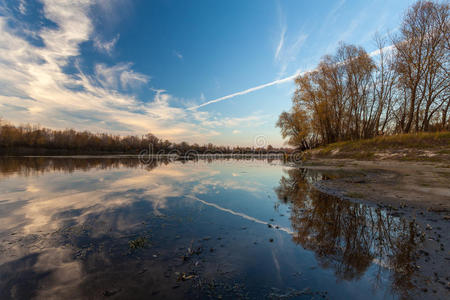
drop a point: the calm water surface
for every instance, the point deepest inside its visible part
(116, 228)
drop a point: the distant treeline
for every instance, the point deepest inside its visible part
(39, 165)
(26, 166)
(29, 139)
(404, 87)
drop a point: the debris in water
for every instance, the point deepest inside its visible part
(110, 293)
(140, 242)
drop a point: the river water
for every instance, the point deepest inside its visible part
(252, 229)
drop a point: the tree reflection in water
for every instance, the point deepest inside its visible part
(349, 237)
(30, 166)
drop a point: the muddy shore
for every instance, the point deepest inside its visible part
(413, 190)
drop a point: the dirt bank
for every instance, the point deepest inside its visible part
(423, 185)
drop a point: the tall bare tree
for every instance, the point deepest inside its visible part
(422, 63)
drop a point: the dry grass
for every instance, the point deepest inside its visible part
(420, 147)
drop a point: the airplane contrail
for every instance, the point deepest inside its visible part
(239, 214)
(276, 82)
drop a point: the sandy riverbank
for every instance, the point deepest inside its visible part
(423, 185)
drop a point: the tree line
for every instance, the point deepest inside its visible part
(403, 87)
(32, 139)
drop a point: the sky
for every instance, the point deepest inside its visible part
(195, 71)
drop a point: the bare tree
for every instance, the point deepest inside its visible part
(422, 62)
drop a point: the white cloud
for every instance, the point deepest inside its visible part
(120, 75)
(35, 89)
(280, 43)
(177, 54)
(106, 46)
(288, 46)
(22, 7)
(289, 52)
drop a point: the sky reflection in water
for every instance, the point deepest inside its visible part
(107, 227)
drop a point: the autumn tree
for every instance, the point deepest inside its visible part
(422, 65)
(333, 102)
(404, 87)
(295, 125)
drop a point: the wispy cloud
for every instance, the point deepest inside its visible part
(283, 28)
(35, 88)
(280, 43)
(119, 76)
(106, 46)
(255, 119)
(177, 54)
(291, 52)
(333, 14)
(354, 25)
(22, 7)
(288, 46)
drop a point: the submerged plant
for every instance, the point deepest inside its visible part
(140, 242)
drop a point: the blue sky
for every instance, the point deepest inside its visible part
(131, 67)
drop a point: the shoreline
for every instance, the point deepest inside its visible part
(423, 185)
(417, 191)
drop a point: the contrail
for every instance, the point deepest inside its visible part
(276, 82)
(279, 81)
(239, 214)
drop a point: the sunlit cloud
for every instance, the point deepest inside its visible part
(119, 76)
(35, 88)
